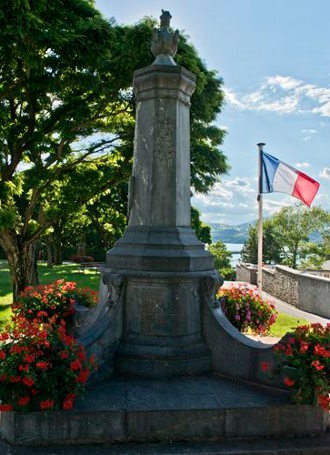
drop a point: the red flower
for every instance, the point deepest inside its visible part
(29, 358)
(303, 347)
(288, 381)
(15, 379)
(75, 365)
(24, 401)
(34, 392)
(317, 365)
(6, 407)
(324, 401)
(24, 368)
(2, 355)
(42, 365)
(288, 350)
(28, 381)
(46, 404)
(64, 355)
(82, 355)
(82, 377)
(67, 405)
(264, 366)
(321, 351)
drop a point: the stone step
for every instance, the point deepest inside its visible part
(289, 446)
(134, 410)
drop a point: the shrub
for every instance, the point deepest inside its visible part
(41, 367)
(246, 309)
(53, 302)
(304, 355)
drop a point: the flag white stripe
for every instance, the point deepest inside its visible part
(284, 179)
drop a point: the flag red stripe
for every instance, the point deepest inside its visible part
(305, 188)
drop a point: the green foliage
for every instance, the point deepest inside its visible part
(202, 230)
(222, 259)
(272, 246)
(286, 237)
(67, 117)
(294, 225)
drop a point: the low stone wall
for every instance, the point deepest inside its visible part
(281, 282)
(305, 291)
(314, 294)
(246, 272)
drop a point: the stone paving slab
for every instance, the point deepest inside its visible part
(183, 393)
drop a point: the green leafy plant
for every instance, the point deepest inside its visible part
(53, 302)
(304, 356)
(246, 309)
(41, 367)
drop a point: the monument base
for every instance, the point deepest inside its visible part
(166, 277)
(163, 361)
(207, 408)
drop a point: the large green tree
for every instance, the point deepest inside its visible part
(272, 245)
(294, 225)
(286, 237)
(66, 97)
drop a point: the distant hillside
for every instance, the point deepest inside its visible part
(239, 233)
(230, 234)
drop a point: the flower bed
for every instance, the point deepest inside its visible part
(53, 302)
(41, 365)
(246, 309)
(304, 355)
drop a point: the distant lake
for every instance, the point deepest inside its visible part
(234, 247)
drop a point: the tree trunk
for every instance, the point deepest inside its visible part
(22, 263)
(32, 265)
(57, 253)
(49, 255)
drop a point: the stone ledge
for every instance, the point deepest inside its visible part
(207, 408)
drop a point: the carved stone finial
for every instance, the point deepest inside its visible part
(164, 43)
(165, 19)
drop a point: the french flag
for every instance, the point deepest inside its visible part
(280, 177)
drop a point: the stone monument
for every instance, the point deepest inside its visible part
(156, 315)
(165, 269)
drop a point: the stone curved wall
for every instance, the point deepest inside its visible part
(235, 355)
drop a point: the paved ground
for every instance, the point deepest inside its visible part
(295, 446)
(184, 393)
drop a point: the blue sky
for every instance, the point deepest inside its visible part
(274, 58)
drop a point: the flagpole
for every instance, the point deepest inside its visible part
(259, 199)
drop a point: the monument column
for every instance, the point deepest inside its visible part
(163, 264)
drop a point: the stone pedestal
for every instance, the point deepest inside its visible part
(166, 269)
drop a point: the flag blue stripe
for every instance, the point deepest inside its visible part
(269, 165)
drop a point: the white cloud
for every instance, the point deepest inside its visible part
(325, 173)
(307, 138)
(309, 131)
(303, 165)
(284, 95)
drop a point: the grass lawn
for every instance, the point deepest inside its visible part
(90, 278)
(68, 272)
(284, 323)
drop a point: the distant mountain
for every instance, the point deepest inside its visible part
(239, 233)
(230, 234)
